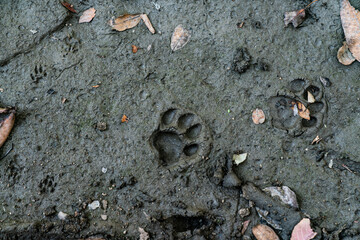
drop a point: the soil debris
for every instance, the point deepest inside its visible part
(258, 116)
(143, 234)
(296, 18)
(6, 123)
(300, 109)
(263, 232)
(303, 231)
(134, 48)
(102, 126)
(284, 193)
(180, 38)
(239, 158)
(62, 215)
(94, 205)
(245, 225)
(325, 81)
(241, 60)
(147, 22)
(104, 217)
(316, 140)
(350, 20)
(124, 119)
(69, 7)
(310, 97)
(244, 212)
(344, 55)
(87, 15)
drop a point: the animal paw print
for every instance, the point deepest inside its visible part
(47, 185)
(181, 138)
(284, 116)
(72, 44)
(38, 73)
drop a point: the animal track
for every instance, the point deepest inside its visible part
(181, 138)
(38, 73)
(282, 113)
(47, 185)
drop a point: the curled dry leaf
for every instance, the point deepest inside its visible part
(87, 15)
(7, 123)
(147, 22)
(258, 116)
(244, 226)
(69, 7)
(134, 48)
(263, 232)
(344, 55)
(301, 110)
(180, 38)
(350, 20)
(303, 231)
(125, 22)
(294, 17)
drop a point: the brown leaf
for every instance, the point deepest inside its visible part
(6, 124)
(294, 17)
(147, 22)
(69, 6)
(180, 38)
(258, 116)
(124, 119)
(124, 22)
(134, 48)
(344, 55)
(263, 232)
(303, 231)
(350, 20)
(301, 110)
(87, 15)
(244, 226)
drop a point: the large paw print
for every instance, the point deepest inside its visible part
(282, 111)
(38, 73)
(181, 138)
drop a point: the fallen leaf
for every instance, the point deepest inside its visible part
(69, 7)
(294, 17)
(310, 98)
(284, 193)
(263, 232)
(124, 118)
(239, 158)
(63, 100)
(96, 86)
(350, 20)
(147, 22)
(124, 22)
(303, 231)
(344, 55)
(301, 110)
(7, 123)
(134, 48)
(316, 140)
(244, 226)
(143, 235)
(180, 38)
(258, 116)
(87, 15)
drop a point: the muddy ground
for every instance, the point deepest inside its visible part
(169, 169)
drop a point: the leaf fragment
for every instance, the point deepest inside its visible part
(134, 48)
(264, 232)
(258, 116)
(295, 18)
(310, 97)
(303, 231)
(69, 7)
(344, 55)
(124, 22)
(239, 158)
(180, 38)
(301, 110)
(350, 20)
(147, 22)
(87, 15)
(124, 118)
(7, 123)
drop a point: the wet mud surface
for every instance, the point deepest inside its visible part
(169, 169)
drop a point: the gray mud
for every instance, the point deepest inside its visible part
(169, 172)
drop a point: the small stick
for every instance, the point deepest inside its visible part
(7, 153)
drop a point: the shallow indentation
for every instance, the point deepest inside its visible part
(194, 131)
(186, 120)
(191, 149)
(169, 146)
(282, 113)
(316, 107)
(309, 123)
(297, 85)
(169, 116)
(184, 223)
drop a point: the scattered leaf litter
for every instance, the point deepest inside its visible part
(239, 158)
(134, 48)
(310, 98)
(303, 231)
(258, 116)
(344, 55)
(124, 119)
(87, 15)
(180, 38)
(69, 7)
(264, 232)
(316, 140)
(245, 225)
(94, 205)
(6, 124)
(128, 21)
(295, 18)
(301, 110)
(147, 22)
(143, 234)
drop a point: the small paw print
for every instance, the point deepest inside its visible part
(47, 185)
(38, 73)
(311, 95)
(181, 138)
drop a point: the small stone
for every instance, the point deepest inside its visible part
(62, 215)
(244, 212)
(104, 170)
(104, 204)
(104, 217)
(94, 205)
(102, 126)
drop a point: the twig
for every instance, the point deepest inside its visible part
(7, 153)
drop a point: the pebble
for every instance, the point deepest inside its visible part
(104, 170)
(94, 205)
(104, 204)
(103, 217)
(244, 212)
(62, 215)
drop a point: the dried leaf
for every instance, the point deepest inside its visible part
(263, 232)
(6, 124)
(301, 110)
(124, 22)
(350, 20)
(294, 17)
(285, 194)
(316, 140)
(147, 22)
(310, 98)
(258, 116)
(244, 226)
(344, 55)
(69, 6)
(239, 158)
(180, 38)
(87, 15)
(134, 48)
(303, 231)
(124, 118)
